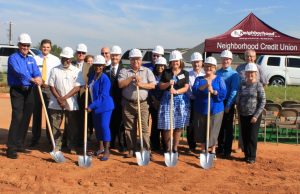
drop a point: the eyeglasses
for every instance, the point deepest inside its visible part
(105, 53)
(81, 53)
(25, 45)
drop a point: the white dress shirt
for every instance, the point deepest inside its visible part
(116, 68)
(192, 77)
(64, 80)
(51, 61)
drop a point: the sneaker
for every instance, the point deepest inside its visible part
(12, 154)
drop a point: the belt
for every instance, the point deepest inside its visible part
(135, 101)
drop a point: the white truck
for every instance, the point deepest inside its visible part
(281, 70)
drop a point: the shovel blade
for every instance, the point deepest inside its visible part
(57, 156)
(171, 159)
(206, 160)
(84, 161)
(142, 158)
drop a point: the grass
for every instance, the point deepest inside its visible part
(277, 94)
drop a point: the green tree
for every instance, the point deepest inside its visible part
(56, 50)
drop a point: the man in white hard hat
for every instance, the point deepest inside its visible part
(22, 74)
(85, 69)
(46, 61)
(105, 52)
(81, 51)
(197, 63)
(65, 81)
(129, 79)
(232, 81)
(158, 51)
(113, 71)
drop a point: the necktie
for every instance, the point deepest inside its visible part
(44, 70)
(113, 74)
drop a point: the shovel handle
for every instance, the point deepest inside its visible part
(139, 117)
(47, 117)
(171, 120)
(208, 122)
(85, 119)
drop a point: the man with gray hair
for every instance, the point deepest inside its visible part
(129, 79)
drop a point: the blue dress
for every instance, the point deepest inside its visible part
(181, 112)
(102, 106)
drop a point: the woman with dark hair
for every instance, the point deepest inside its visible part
(154, 99)
(102, 106)
(174, 81)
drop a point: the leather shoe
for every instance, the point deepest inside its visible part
(23, 150)
(129, 154)
(33, 144)
(12, 154)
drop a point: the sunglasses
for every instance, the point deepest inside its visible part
(81, 53)
(25, 45)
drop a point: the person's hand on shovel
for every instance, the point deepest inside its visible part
(89, 110)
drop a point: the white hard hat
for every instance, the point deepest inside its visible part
(24, 38)
(67, 52)
(135, 53)
(161, 61)
(158, 50)
(211, 60)
(116, 50)
(81, 47)
(251, 67)
(226, 54)
(175, 56)
(196, 56)
(99, 59)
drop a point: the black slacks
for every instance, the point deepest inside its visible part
(190, 134)
(249, 135)
(116, 128)
(37, 114)
(22, 103)
(226, 132)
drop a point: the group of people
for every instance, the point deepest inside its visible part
(114, 93)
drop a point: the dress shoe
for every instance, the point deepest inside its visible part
(129, 154)
(104, 158)
(23, 150)
(12, 154)
(34, 144)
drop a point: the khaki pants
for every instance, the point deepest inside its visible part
(71, 127)
(130, 118)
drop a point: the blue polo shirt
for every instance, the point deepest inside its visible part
(21, 69)
(149, 65)
(232, 81)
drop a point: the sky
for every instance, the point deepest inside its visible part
(138, 23)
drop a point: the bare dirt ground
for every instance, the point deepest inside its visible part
(277, 170)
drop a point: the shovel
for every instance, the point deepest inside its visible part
(142, 157)
(170, 157)
(56, 155)
(206, 159)
(85, 161)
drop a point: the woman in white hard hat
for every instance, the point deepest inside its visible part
(154, 101)
(102, 106)
(216, 86)
(179, 79)
(251, 100)
(197, 71)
